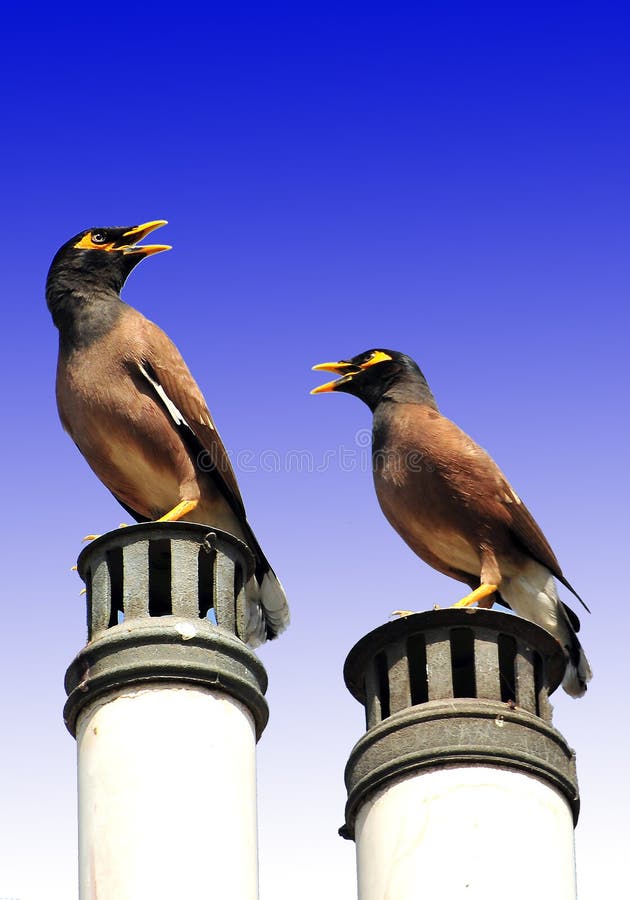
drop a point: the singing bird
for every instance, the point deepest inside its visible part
(450, 502)
(128, 400)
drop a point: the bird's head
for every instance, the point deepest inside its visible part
(101, 257)
(376, 374)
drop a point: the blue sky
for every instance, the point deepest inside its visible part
(450, 180)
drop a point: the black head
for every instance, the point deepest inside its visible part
(98, 259)
(377, 375)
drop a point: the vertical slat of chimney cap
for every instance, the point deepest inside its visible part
(524, 678)
(135, 573)
(439, 664)
(100, 600)
(545, 709)
(240, 603)
(224, 601)
(372, 696)
(398, 671)
(417, 661)
(487, 670)
(184, 578)
(239, 599)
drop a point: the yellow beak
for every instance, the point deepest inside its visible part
(140, 232)
(338, 368)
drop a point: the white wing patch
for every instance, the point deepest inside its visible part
(515, 495)
(511, 497)
(174, 412)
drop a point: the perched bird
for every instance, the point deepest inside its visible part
(127, 399)
(451, 503)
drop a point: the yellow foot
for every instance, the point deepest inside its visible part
(401, 613)
(178, 512)
(483, 591)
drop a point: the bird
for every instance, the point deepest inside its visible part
(452, 504)
(129, 402)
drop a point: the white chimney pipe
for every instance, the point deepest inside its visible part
(166, 709)
(460, 787)
(466, 832)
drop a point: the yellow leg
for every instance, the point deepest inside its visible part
(179, 511)
(483, 591)
(401, 613)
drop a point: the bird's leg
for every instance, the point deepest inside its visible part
(476, 596)
(178, 512)
(173, 515)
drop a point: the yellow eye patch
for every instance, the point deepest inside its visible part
(377, 357)
(87, 242)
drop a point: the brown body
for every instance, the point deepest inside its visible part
(449, 501)
(129, 437)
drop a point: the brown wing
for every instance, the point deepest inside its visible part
(525, 528)
(181, 391)
(484, 481)
(527, 532)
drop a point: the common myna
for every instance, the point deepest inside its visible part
(129, 402)
(452, 504)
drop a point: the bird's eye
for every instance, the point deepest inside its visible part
(98, 237)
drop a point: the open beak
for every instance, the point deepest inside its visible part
(345, 369)
(137, 234)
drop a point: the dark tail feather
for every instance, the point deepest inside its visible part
(578, 672)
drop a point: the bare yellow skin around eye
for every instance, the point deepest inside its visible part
(87, 243)
(378, 357)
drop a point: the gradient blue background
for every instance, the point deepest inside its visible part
(450, 180)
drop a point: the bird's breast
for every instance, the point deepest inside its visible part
(123, 433)
(417, 505)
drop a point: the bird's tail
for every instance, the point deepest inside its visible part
(532, 594)
(268, 606)
(578, 672)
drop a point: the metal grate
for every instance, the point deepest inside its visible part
(166, 568)
(447, 654)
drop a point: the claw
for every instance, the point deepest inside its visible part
(92, 537)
